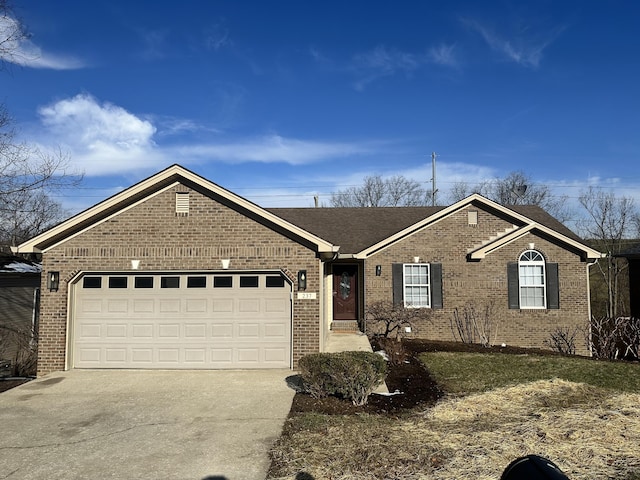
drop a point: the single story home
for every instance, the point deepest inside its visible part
(178, 272)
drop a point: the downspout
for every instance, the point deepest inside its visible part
(590, 338)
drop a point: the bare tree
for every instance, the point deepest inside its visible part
(28, 174)
(12, 32)
(380, 192)
(609, 220)
(516, 188)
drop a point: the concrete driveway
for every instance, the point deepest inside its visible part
(130, 424)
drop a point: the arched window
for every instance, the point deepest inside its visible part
(531, 272)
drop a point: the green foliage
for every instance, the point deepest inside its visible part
(466, 373)
(353, 375)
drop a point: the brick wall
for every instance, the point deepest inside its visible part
(485, 282)
(152, 233)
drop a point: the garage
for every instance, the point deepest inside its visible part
(181, 320)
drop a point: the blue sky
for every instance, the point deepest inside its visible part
(281, 101)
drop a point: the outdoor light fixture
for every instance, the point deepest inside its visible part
(53, 281)
(302, 280)
(378, 270)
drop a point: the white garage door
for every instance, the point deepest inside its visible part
(182, 320)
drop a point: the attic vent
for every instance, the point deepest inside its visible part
(473, 217)
(182, 203)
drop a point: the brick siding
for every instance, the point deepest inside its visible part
(485, 282)
(152, 233)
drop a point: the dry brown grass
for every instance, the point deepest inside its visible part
(591, 433)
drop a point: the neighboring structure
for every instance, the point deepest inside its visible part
(632, 254)
(177, 272)
(19, 297)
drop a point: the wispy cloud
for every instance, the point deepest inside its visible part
(274, 148)
(19, 50)
(217, 36)
(154, 44)
(524, 48)
(443, 55)
(105, 139)
(384, 62)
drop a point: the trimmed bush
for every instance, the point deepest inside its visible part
(315, 370)
(353, 375)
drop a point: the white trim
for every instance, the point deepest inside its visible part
(33, 245)
(106, 219)
(481, 252)
(534, 263)
(428, 284)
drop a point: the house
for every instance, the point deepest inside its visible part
(178, 272)
(19, 297)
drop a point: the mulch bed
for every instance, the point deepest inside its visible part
(410, 377)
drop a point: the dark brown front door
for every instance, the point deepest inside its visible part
(345, 292)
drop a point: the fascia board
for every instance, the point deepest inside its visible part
(323, 245)
(31, 246)
(500, 242)
(108, 217)
(431, 220)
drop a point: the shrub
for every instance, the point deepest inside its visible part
(475, 323)
(389, 320)
(615, 338)
(563, 340)
(395, 350)
(352, 375)
(315, 370)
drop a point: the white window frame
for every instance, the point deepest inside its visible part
(409, 273)
(528, 280)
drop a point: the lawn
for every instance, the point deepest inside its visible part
(582, 414)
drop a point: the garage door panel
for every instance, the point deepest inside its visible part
(193, 328)
(90, 330)
(117, 306)
(142, 355)
(145, 305)
(140, 331)
(90, 305)
(222, 305)
(170, 305)
(115, 331)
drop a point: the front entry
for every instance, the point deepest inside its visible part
(345, 292)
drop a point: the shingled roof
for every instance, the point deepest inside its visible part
(355, 229)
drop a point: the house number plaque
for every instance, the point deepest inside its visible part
(306, 295)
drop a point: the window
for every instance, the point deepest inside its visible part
(417, 288)
(196, 282)
(143, 282)
(222, 282)
(531, 276)
(92, 282)
(169, 282)
(117, 282)
(249, 282)
(417, 285)
(274, 282)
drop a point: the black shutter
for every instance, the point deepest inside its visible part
(396, 272)
(512, 285)
(436, 285)
(553, 286)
